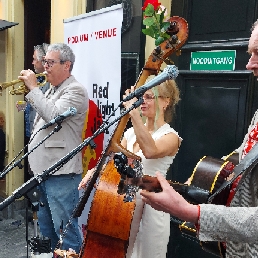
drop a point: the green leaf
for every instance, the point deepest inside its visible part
(166, 36)
(149, 11)
(165, 25)
(159, 40)
(149, 21)
(158, 18)
(148, 32)
(162, 16)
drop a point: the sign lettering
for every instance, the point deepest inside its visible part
(213, 60)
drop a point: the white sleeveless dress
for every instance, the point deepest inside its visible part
(150, 229)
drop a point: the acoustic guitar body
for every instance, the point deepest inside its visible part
(209, 174)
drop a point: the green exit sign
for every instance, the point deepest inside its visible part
(213, 60)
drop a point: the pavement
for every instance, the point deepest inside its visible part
(13, 236)
(17, 232)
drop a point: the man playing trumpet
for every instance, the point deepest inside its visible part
(59, 193)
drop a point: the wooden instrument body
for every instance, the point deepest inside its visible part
(209, 174)
(109, 219)
(108, 226)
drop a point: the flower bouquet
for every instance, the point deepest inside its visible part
(156, 22)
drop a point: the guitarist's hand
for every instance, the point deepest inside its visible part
(170, 201)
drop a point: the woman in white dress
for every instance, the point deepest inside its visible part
(157, 144)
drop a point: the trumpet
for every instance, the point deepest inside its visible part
(22, 89)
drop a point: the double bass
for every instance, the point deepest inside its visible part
(109, 220)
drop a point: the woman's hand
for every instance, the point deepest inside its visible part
(129, 103)
(86, 179)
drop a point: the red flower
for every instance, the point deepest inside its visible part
(155, 4)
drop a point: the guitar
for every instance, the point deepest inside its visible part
(208, 175)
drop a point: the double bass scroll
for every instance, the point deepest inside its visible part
(109, 220)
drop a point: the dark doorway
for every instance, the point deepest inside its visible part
(37, 16)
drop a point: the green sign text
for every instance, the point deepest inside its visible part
(213, 60)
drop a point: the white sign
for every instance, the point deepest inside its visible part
(95, 38)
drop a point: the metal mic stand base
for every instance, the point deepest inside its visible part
(40, 246)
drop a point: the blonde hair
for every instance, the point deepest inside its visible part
(168, 89)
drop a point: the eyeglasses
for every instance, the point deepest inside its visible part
(148, 97)
(50, 62)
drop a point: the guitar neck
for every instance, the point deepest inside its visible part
(192, 194)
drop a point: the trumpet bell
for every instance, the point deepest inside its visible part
(22, 89)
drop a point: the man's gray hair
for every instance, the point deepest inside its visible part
(41, 51)
(65, 52)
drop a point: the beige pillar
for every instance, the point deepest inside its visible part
(12, 59)
(60, 10)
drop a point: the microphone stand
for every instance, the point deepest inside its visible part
(40, 246)
(38, 179)
(37, 244)
(18, 162)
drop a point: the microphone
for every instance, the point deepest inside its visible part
(169, 73)
(60, 118)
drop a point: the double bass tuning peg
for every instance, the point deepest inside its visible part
(157, 50)
(173, 40)
(169, 61)
(156, 53)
